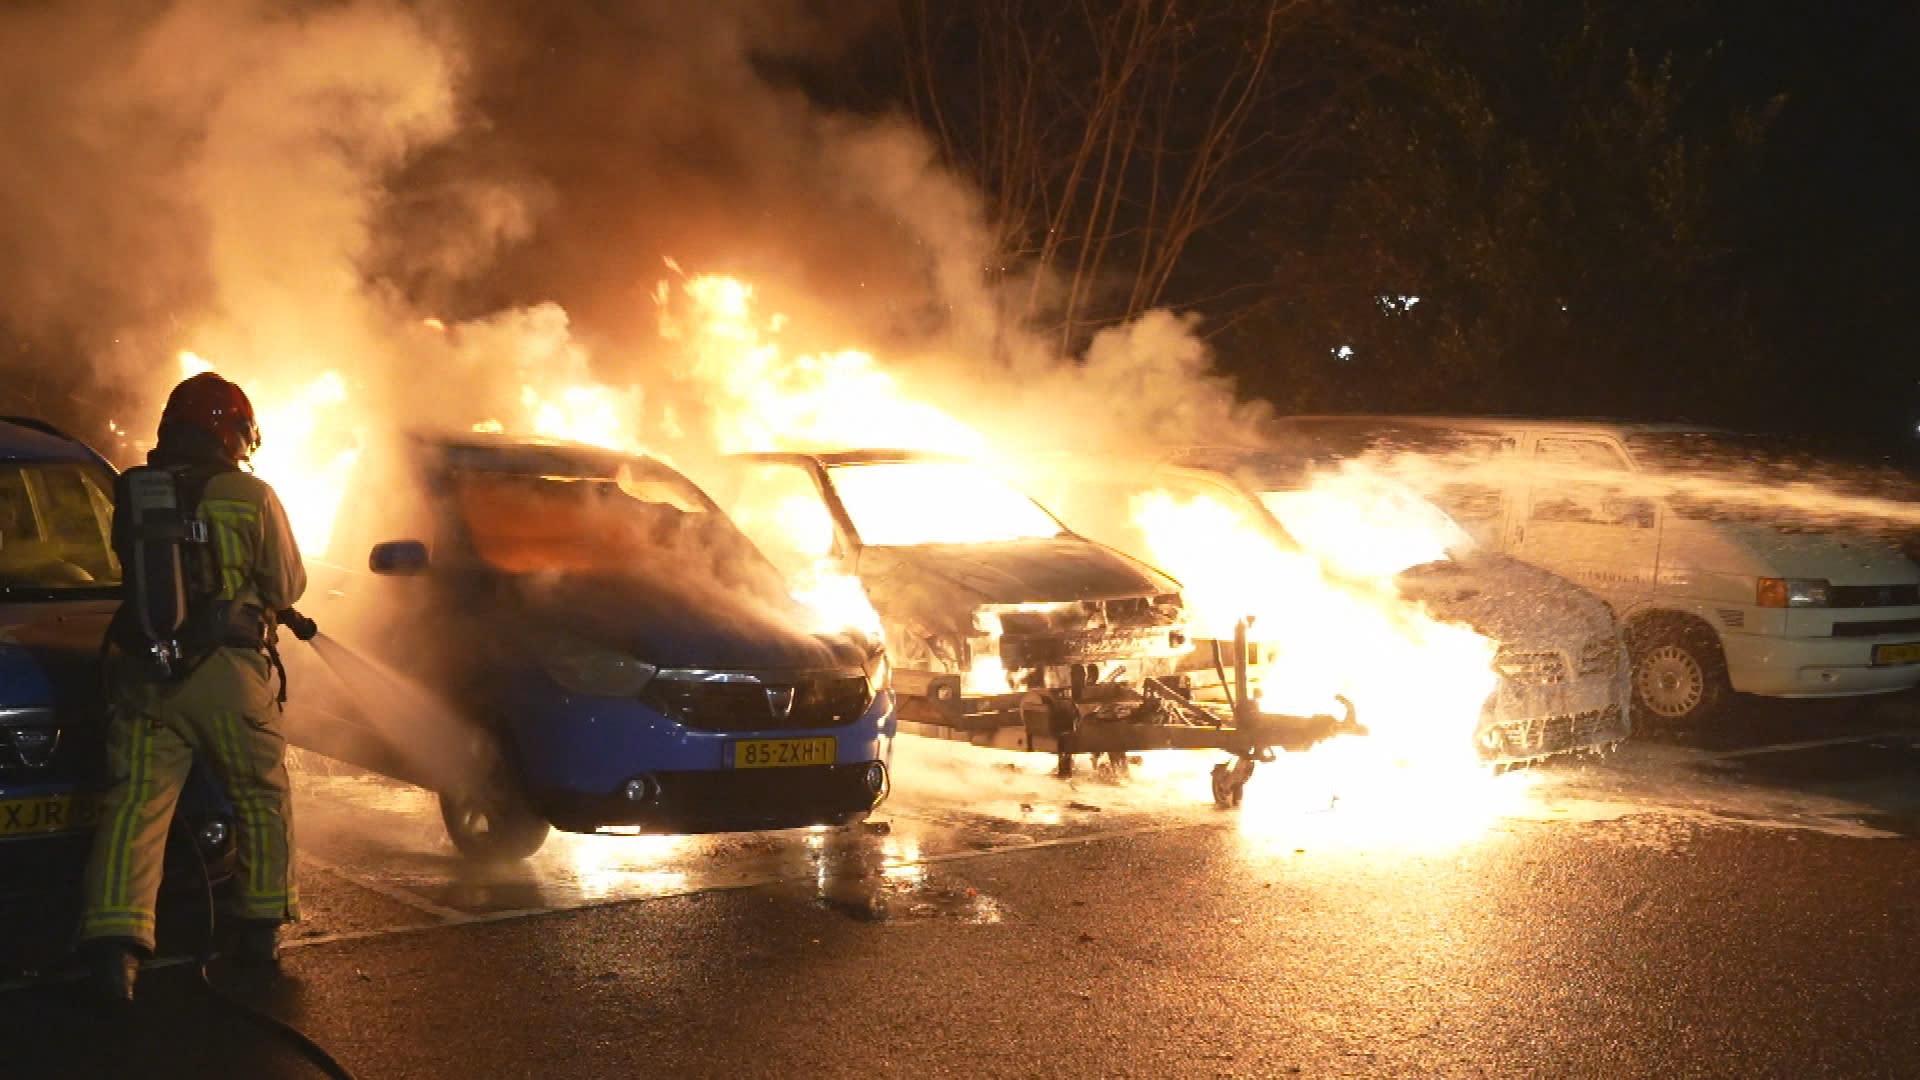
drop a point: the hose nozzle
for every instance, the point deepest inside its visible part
(297, 624)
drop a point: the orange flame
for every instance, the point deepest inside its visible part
(309, 472)
(1419, 684)
(762, 398)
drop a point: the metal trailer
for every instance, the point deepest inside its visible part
(1110, 721)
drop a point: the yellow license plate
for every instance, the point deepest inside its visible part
(776, 753)
(44, 814)
(1905, 653)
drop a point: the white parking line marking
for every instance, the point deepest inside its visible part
(1814, 744)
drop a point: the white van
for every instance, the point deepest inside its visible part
(1716, 597)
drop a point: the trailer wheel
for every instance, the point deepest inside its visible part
(1230, 782)
(1679, 673)
(492, 821)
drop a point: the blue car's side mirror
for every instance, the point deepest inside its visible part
(398, 558)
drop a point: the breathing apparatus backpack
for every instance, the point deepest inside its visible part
(173, 615)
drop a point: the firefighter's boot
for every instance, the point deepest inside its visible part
(256, 944)
(112, 966)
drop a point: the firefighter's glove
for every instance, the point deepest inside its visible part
(299, 625)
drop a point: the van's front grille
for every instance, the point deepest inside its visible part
(1540, 736)
(786, 703)
(1859, 596)
(1875, 629)
(1532, 667)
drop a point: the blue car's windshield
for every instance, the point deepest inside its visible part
(646, 521)
(56, 523)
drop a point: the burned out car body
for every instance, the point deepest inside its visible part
(59, 585)
(1562, 681)
(599, 648)
(1004, 627)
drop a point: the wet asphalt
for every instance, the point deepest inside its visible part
(1732, 902)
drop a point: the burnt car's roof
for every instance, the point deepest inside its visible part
(853, 457)
(522, 453)
(540, 456)
(1494, 422)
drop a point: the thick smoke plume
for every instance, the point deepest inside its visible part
(289, 188)
(205, 176)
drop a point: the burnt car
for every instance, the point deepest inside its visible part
(554, 634)
(1005, 628)
(1561, 680)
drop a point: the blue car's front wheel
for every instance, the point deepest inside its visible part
(491, 820)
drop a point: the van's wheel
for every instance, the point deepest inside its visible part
(491, 821)
(1679, 674)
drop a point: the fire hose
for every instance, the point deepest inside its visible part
(303, 1043)
(305, 629)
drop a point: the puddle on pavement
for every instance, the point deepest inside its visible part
(956, 800)
(877, 876)
(388, 835)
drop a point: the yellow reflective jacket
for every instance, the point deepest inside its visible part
(258, 562)
(253, 544)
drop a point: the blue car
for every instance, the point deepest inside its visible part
(59, 584)
(552, 634)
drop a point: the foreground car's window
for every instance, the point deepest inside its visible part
(899, 503)
(55, 528)
(643, 520)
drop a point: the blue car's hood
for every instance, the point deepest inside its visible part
(683, 623)
(49, 653)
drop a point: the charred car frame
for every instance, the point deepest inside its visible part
(1005, 628)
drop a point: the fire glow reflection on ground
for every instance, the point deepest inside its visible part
(1341, 797)
(606, 866)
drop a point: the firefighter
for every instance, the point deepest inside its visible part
(209, 691)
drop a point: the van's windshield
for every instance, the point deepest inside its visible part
(56, 521)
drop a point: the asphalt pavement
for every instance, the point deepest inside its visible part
(1733, 902)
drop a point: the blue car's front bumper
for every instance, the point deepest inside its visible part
(590, 763)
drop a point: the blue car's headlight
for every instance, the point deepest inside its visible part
(879, 673)
(581, 667)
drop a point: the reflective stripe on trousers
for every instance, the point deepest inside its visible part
(148, 758)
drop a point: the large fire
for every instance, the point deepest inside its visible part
(308, 448)
(1419, 683)
(763, 397)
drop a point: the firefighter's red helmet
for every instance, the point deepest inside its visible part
(217, 407)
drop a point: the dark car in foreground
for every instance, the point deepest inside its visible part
(59, 584)
(553, 634)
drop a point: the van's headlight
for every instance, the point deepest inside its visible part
(581, 667)
(1792, 592)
